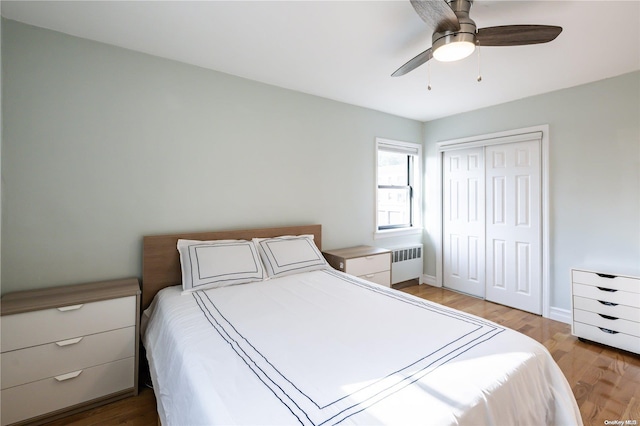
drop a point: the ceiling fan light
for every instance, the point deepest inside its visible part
(454, 51)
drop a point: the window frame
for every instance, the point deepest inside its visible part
(414, 184)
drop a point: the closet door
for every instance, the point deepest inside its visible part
(513, 225)
(464, 221)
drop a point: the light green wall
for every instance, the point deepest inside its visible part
(103, 145)
(594, 173)
(1, 127)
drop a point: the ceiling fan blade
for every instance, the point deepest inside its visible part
(414, 63)
(517, 35)
(437, 14)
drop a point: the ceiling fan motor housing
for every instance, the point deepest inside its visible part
(467, 31)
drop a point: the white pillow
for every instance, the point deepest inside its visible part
(208, 264)
(288, 255)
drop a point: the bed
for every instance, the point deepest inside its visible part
(301, 343)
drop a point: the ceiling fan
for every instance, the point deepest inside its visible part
(455, 35)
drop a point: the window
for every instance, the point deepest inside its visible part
(398, 171)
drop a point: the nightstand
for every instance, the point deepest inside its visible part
(370, 263)
(66, 349)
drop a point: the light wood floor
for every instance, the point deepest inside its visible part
(605, 381)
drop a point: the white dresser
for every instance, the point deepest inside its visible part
(371, 263)
(68, 348)
(606, 308)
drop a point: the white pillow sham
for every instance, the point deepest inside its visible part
(290, 254)
(210, 264)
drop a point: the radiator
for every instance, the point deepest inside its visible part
(406, 263)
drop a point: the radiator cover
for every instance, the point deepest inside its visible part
(406, 263)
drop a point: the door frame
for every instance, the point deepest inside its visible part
(541, 131)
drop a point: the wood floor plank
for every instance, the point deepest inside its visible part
(134, 411)
(605, 381)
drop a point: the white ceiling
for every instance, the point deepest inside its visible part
(346, 50)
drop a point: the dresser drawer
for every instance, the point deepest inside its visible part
(53, 325)
(619, 340)
(44, 396)
(609, 323)
(628, 284)
(52, 359)
(616, 296)
(383, 278)
(606, 308)
(368, 264)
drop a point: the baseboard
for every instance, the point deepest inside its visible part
(429, 279)
(556, 314)
(559, 314)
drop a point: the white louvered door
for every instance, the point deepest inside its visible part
(513, 231)
(464, 221)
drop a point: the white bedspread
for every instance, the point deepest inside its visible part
(325, 348)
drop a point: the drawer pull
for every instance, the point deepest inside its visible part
(608, 317)
(608, 303)
(70, 308)
(610, 290)
(370, 276)
(369, 257)
(68, 376)
(606, 276)
(69, 342)
(606, 330)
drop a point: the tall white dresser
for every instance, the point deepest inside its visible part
(68, 348)
(606, 308)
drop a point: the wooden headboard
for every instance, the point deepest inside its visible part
(161, 262)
